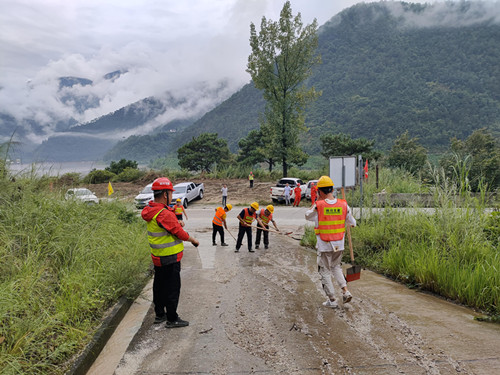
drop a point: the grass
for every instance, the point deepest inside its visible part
(63, 265)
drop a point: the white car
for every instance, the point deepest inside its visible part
(188, 191)
(144, 197)
(82, 194)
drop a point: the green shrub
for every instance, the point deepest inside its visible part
(129, 175)
(98, 176)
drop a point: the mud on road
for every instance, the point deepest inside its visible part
(262, 313)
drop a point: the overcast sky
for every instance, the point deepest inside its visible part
(163, 44)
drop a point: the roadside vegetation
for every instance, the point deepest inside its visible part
(63, 265)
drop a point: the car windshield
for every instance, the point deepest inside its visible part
(147, 190)
(289, 182)
(179, 189)
(83, 192)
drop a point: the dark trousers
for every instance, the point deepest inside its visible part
(241, 233)
(266, 236)
(166, 290)
(217, 229)
(251, 183)
(224, 200)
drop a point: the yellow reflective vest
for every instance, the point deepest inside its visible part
(161, 242)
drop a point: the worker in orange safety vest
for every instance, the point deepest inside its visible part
(265, 216)
(219, 223)
(330, 216)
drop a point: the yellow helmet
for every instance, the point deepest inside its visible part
(178, 200)
(255, 206)
(229, 206)
(270, 208)
(324, 181)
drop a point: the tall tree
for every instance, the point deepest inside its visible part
(342, 144)
(203, 152)
(407, 153)
(283, 54)
(252, 150)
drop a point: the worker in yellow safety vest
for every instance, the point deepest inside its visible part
(165, 237)
(179, 210)
(265, 216)
(330, 216)
(219, 223)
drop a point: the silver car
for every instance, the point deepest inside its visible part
(144, 197)
(82, 194)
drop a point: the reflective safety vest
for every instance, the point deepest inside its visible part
(265, 219)
(161, 242)
(178, 210)
(220, 215)
(248, 217)
(331, 220)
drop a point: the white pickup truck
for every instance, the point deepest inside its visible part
(278, 191)
(187, 191)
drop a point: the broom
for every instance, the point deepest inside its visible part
(353, 272)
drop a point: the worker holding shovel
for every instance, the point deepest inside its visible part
(219, 223)
(265, 215)
(330, 215)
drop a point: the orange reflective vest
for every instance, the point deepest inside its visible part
(220, 215)
(265, 219)
(178, 210)
(248, 217)
(331, 220)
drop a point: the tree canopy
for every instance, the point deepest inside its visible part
(407, 153)
(342, 144)
(283, 54)
(204, 152)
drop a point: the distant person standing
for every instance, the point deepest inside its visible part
(165, 236)
(250, 178)
(224, 195)
(179, 211)
(219, 223)
(298, 195)
(330, 215)
(265, 216)
(287, 193)
(246, 217)
(314, 192)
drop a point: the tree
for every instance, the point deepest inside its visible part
(252, 150)
(203, 152)
(119, 167)
(342, 144)
(477, 159)
(407, 154)
(283, 54)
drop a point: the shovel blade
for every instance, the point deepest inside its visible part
(353, 273)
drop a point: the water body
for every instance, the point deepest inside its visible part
(55, 168)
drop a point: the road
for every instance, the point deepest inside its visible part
(262, 313)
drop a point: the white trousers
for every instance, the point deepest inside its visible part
(328, 266)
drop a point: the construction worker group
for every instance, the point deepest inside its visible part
(166, 238)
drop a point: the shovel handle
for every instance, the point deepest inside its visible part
(348, 228)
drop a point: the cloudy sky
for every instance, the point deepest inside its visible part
(163, 44)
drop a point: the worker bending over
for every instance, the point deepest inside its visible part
(246, 217)
(218, 222)
(265, 215)
(330, 216)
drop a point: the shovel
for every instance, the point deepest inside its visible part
(353, 272)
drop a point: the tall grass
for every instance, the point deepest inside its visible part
(63, 264)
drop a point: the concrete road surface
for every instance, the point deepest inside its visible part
(262, 313)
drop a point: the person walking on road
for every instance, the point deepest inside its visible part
(218, 222)
(298, 195)
(179, 210)
(165, 237)
(224, 195)
(287, 193)
(246, 217)
(330, 216)
(250, 178)
(265, 215)
(314, 192)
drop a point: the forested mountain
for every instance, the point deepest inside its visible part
(433, 70)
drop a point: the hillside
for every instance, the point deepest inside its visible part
(389, 67)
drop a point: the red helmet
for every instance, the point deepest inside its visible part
(162, 183)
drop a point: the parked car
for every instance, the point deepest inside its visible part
(82, 194)
(144, 197)
(308, 188)
(278, 191)
(187, 192)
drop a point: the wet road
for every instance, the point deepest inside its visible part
(261, 313)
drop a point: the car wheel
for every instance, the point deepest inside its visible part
(275, 201)
(185, 203)
(201, 194)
